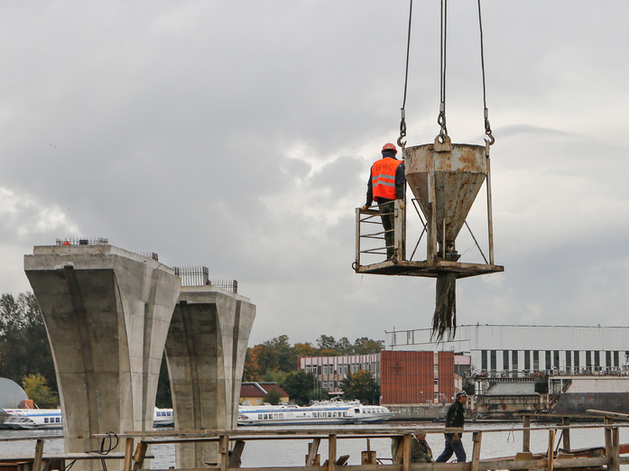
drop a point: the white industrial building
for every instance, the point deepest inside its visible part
(520, 350)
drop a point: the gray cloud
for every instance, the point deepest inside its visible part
(239, 136)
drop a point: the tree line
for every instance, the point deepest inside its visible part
(276, 360)
(26, 358)
(25, 355)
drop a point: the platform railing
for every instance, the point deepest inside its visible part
(370, 234)
(232, 444)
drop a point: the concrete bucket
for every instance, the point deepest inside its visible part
(446, 177)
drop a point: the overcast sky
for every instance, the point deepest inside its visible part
(239, 136)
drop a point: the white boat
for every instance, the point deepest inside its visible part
(33, 418)
(163, 418)
(52, 418)
(319, 413)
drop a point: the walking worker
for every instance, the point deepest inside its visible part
(454, 418)
(387, 182)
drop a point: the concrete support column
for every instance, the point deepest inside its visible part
(107, 313)
(205, 352)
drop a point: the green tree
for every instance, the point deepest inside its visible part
(36, 389)
(319, 394)
(286, 355)
(362, 386)
(263, 357)
(299, 386)
(24, 345)
(274, 376)
(344, 347)
(304, 349)
(365, 346)
(326, 342)
(273, 397)
(163, 399)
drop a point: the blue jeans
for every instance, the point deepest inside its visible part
(452, 447)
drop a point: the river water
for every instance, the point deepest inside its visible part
(505, 440)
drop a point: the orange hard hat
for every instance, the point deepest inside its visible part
(389, 146)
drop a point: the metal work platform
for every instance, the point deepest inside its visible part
(445, 179)
(427, 269)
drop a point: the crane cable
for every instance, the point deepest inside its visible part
(441, 119)
(488, 131)
(400, 142)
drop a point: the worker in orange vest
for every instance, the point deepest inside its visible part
(387, 182)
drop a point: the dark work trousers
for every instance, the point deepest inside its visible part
(386, 208)
(452, 447)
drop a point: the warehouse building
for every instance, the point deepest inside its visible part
(523, 350)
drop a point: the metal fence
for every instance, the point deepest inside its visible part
(151, 255)
(200, 276)
(83, 241)
(227, 285)
(193, 276)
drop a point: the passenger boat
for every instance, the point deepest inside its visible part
(319, 413)
(52, 418)
(33, 418)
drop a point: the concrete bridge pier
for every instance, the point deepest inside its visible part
(107, 313)
(205, 353)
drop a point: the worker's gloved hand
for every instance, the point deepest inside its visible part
(364, 208)
(402, 204)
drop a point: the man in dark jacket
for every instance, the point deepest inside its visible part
(387, 182)
(455, 419)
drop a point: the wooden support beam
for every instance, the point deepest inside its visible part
(565, 433)
(406, 457)
(39, 452)
(526, 434)
(223, 449)
(140, 454)
(550, 455)
(476, 439)
(331, 451)
(235, 455)
(128, 454)
(313, 450)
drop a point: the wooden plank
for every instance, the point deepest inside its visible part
(607, 413)
(39, 451)
(235, 455)
(140, 455)
(66, 456)
(313, 450)
(541, 464)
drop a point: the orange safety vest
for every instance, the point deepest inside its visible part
(383, 178)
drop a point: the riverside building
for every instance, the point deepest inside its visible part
(524, 350)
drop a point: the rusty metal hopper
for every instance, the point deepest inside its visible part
(447, 177)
